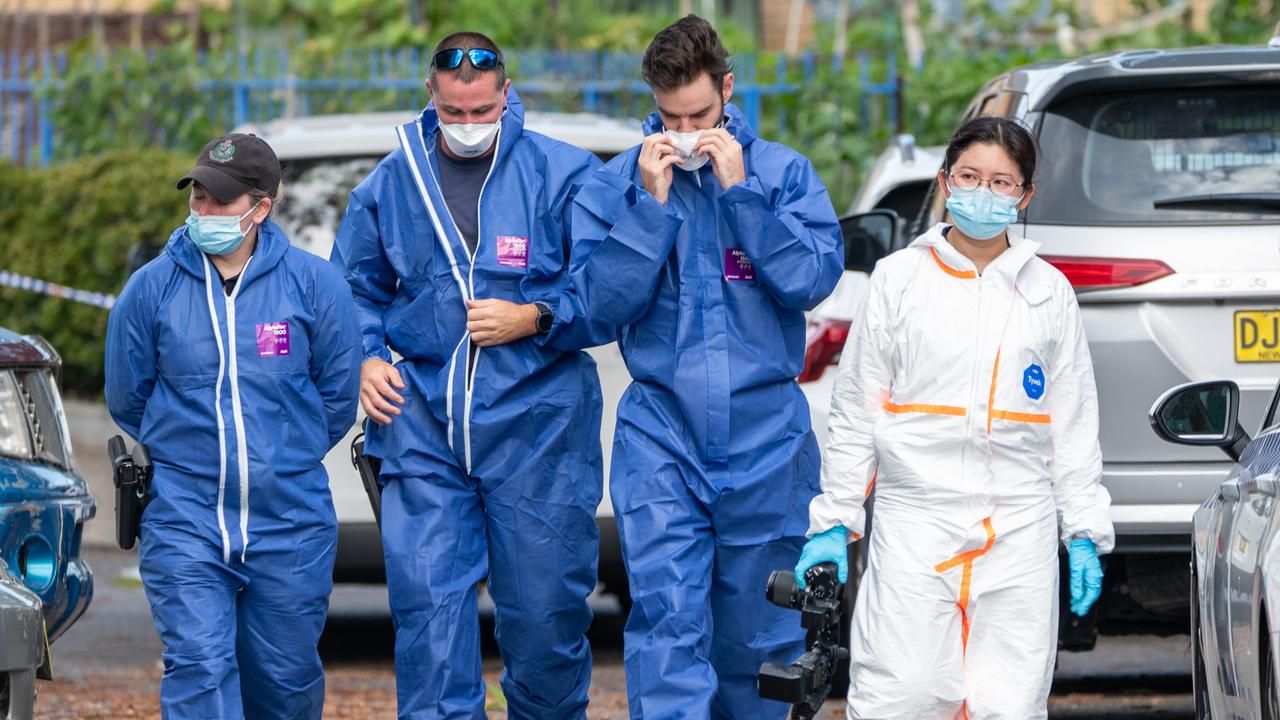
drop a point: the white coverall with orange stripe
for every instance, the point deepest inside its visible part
(969, 401)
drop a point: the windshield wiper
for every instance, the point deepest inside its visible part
(1225, 202)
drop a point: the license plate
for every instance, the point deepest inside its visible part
(1257, 335)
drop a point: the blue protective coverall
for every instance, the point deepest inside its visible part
(493, 468)
(238, 399)
(714, 461)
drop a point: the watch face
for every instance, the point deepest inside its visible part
(544, 319)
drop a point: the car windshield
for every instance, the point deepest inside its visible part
(1172, 156)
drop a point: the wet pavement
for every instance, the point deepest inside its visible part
(107, 666)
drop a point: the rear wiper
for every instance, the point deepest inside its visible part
(1226, 202)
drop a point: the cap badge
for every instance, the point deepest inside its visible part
(223, 152)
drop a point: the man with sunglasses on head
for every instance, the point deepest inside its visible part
(489, 439)
(704, 246)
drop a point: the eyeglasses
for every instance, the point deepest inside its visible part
(480, 58)
(972, 181)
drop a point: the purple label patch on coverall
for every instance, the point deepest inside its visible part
(273, 339)
(737, 266)
(513, 251)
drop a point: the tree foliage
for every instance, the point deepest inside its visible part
(74, 224)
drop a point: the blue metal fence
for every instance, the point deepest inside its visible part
(265, 84)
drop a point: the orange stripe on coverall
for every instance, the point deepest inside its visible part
(870, 486)
(924, 408)
(991, 399)
(962, 274)
(1033, 418)
(966, 559)
(993, 414)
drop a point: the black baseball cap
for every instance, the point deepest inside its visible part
(233, 164)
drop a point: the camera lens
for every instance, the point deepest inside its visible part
(782, 588)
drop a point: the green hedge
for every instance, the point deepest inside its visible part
(74, 224)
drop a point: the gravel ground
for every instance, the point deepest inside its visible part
(107, 666)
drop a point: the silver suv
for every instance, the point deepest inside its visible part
(1159, 198)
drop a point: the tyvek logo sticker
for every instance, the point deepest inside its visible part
(273, 339)
(1033, 381)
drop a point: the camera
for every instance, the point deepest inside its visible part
(806, 682)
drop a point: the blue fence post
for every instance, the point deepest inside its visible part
(29, 127)
(780, 80)
(46, 119)
(240, 96)
(590, 97)
(751, 94)
(895, 82)
(864, 80)
(10, 75)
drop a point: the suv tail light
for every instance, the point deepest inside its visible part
(1087, 273)
(822, 347)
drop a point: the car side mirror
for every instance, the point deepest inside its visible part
(867, 238)
(1201, 413)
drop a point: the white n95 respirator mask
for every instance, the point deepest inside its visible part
(684, 143)
(469, 140)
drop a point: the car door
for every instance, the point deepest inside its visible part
(1216, 604)
(1250, 533)
(1252, 517)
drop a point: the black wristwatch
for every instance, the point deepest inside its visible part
(545, 317)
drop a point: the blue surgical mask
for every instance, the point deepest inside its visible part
(980, 213)
(217, 234)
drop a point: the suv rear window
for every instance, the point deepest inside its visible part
(1161, 158)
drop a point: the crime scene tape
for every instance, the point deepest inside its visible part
(22, 282)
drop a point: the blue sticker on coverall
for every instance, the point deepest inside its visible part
(1033, 381)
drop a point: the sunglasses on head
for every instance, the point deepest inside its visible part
(480, 58)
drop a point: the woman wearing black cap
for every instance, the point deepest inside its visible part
(235, 358)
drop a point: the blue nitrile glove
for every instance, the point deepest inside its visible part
(829, 546)
(1086, 575)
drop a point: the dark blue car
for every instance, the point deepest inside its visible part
(45, 585)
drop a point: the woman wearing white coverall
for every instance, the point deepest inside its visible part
(967, 399)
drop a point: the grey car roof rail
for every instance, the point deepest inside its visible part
(1110, 78)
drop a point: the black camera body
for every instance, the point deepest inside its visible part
(131, 474)
(806, 682)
